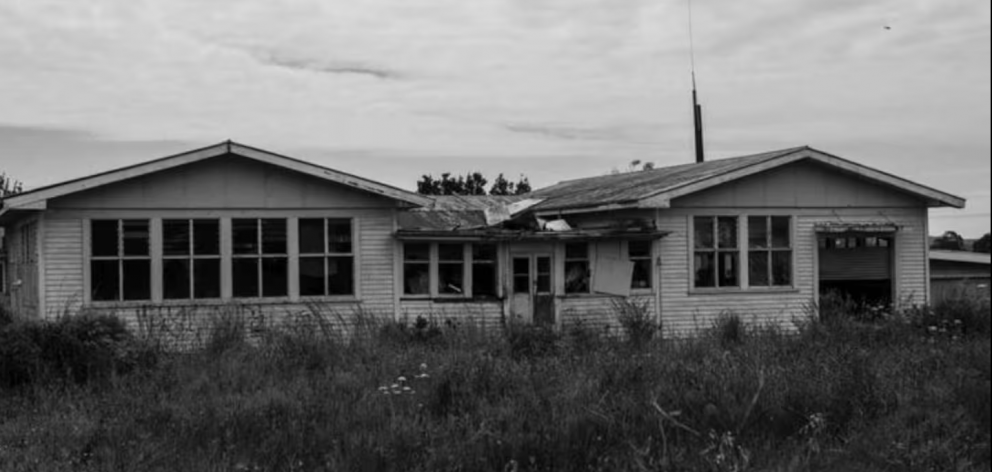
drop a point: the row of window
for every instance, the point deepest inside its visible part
(720, 258)
(470, 270)
(121, 259)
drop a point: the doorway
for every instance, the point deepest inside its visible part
(532, 297)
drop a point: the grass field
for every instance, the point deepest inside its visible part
(905, 393)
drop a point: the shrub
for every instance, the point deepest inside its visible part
(227, 333)
(531, 341)
(423, 331)
(20, 356)
(729, 329)
(636, 319)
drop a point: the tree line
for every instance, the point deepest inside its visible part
(472, 183)
(952, 241)
(9, 186)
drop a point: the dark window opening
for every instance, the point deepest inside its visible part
(717, 252)
(120, 264)
(260, 265)
(416, 268)
(191, 259)
(639, 253)
(484, 270)
(577, 268)
(327, 266)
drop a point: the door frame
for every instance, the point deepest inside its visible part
(532, 255)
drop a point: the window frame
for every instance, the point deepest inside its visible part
(326, 256)
(261, 256)
(433, 263)
(120, 258)
(743, 250)
(716, 250)
(588, 260)
(770, 249)
(650, 260)
(192, 257)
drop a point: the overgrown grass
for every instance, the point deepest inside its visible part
(837, 395)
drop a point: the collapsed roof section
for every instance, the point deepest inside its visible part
(493, 218)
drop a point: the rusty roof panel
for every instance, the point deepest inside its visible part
(633, 186)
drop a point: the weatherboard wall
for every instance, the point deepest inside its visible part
(804, 184)
(224, 182)
(687, 310)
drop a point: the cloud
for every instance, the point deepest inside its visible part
(327, 67)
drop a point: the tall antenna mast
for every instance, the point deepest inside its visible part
(697, 109)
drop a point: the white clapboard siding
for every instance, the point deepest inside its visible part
(63, 249)
(375, 259)
(684, 311)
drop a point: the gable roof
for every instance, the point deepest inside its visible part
(656, 188)
(36, 199)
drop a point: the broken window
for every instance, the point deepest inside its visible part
(260, 263)
(717, 251)
(120, 260)
(577, 271)
(327, 260)
(770, 251)
(416, 268)
(639, 252)
(191, 259)
(450, 269)
(484, 275)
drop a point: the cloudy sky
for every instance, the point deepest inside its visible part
(553, 89)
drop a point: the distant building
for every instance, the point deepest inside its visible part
(954, 271)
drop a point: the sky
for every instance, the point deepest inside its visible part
(550, 89)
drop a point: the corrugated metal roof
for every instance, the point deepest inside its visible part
(452, 212)
(633, 186)
(961, 256)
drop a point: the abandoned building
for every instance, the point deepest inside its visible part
(761, 235)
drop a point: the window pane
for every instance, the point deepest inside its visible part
(104, 280)
(339, 236)
(758, 268)
(521, 284)
(705, 264)
(341, 276)
(727, 273)
(449, 279)
(576, 251)
(577, 277)
(245, 235)
(206, 237)
(137, 280)
(757, 232)
(245, 277)
(639, 249)
(642, 274)
(450, 252)
(274, 236)
(206, 278)
(311, 276)
(780, 232)
(782, 267)
(484, 252)
(311, 236)
(416, 278)
(703, 228)
(103, 234)
(417, 252)
(175, 279)
(483, 279)
(728, 232)
(135, 237)
(275, 277)
(543, 283)
(175, 238)
(521, 266)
